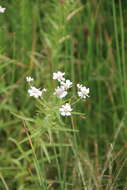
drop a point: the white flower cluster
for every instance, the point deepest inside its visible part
(33, 91)
(83, 92)
(61, 91)
(65, 110)
(2, 9)
(59, 76)
(29, 79)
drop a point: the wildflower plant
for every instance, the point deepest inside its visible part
(60, 92)
(40, 147)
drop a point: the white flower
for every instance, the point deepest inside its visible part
(65, 110)
(67, 84)
(83, 91)
(29, 79)
(79, 86)
(35, 92)
(59, 76)
(44, 90)
(60, 92)
(2, 9)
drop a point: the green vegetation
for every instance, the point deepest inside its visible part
(39, 149)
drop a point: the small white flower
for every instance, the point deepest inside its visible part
(29, 79)
(59, 76)
(67, 84)
(79, 86)
(65, 110)
(60, 92)
(2, 9)
(44, 90)
(83, 91)
(35, 92)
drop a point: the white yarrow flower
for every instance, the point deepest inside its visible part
(83, 92)
(60, 92)
(29, 79)
(67, 84)
(59, 76)
(65, 110)
(2, 9)
(35, 92)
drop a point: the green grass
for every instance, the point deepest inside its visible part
(39, 149)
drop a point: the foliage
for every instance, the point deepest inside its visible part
(40, 149)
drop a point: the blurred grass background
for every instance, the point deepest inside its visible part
(87, 40)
